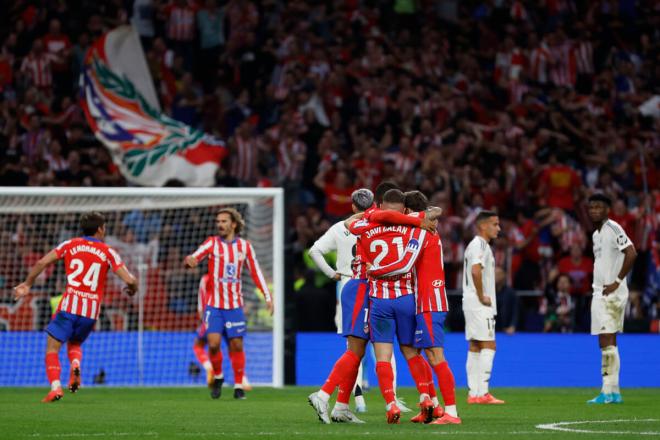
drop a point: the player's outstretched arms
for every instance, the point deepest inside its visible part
(190, 261)
(131, 282)
(24, 288)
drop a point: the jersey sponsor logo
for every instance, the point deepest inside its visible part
(621, 240)
(413, 245)
(438, 283)
(230, 269)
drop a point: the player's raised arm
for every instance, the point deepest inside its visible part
(193, 259)
(406, 262)
(349, 222)
(24, 288)
(258, 277)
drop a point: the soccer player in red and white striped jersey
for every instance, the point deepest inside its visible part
(86, 262)
(392, 305)
(425, 255)
(223, 315)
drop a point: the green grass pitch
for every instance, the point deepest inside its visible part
(189, 413)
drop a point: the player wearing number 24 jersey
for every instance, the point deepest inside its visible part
(86, 263)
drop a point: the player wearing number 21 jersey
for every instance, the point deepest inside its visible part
(86, 263)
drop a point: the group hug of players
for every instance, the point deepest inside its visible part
(396, 290)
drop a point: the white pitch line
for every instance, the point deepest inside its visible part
(559, 426)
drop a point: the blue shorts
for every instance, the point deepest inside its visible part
(388, 317)
(201, 332)
(430, 330)
(69, 327)
(229, 323)
(355, 309)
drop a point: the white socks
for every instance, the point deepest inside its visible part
(610, 366)
(485, 367)
(393, 362)
(55, 385)
(472, 367)
(451, 410)
(207, 365)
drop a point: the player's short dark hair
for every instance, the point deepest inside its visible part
(485, 215)
(90, 222)
(394, 196)
(236, 217)
(381, 189)
(600, 197)
(362, 198)
(416, 201)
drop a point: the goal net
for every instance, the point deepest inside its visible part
(146, 340)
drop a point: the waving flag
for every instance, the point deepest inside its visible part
(122, 109)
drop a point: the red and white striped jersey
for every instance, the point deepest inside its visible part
(226, 260)
(538, 64)
(563, 71)
(425, 255)
(86, 263)
(180, 23)
(38, 69)
(584, 57)
(382, 245)
(244, 159)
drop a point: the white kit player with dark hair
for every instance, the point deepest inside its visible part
(479, 308)
(614, 255)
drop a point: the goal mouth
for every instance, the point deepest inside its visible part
(148, 339)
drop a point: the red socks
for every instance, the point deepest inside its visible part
(74, 351)
(238, 365)
(418, 372)
(345, 368)
(346, 385)
(386, 380)
(53, 368)
(201, 355)
(429, 379)
(447, 384)
(216, 362)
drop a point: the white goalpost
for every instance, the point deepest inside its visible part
(146, 340)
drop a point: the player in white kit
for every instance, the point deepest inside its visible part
(614, 255)
(479, 308)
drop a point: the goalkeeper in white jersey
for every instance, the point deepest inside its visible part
(614, 255)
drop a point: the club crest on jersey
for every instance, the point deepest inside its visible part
(413, 245)
(230, 270)
(621, 240)
(438, 283)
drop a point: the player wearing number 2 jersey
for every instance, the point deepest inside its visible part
(86, 262)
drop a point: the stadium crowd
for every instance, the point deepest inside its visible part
(525, 107)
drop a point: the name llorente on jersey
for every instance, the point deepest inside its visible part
(382, 229)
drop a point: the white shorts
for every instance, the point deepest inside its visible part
(607, 313)
(480, 324)
(338, 318)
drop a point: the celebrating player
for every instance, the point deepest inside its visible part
(432, 306)
(480, 308)
(201, 340)
(392, 304)
(614, 255)
(354, 302)
(223, 314)
(86, 261)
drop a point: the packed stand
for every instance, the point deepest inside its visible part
(520, 106)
